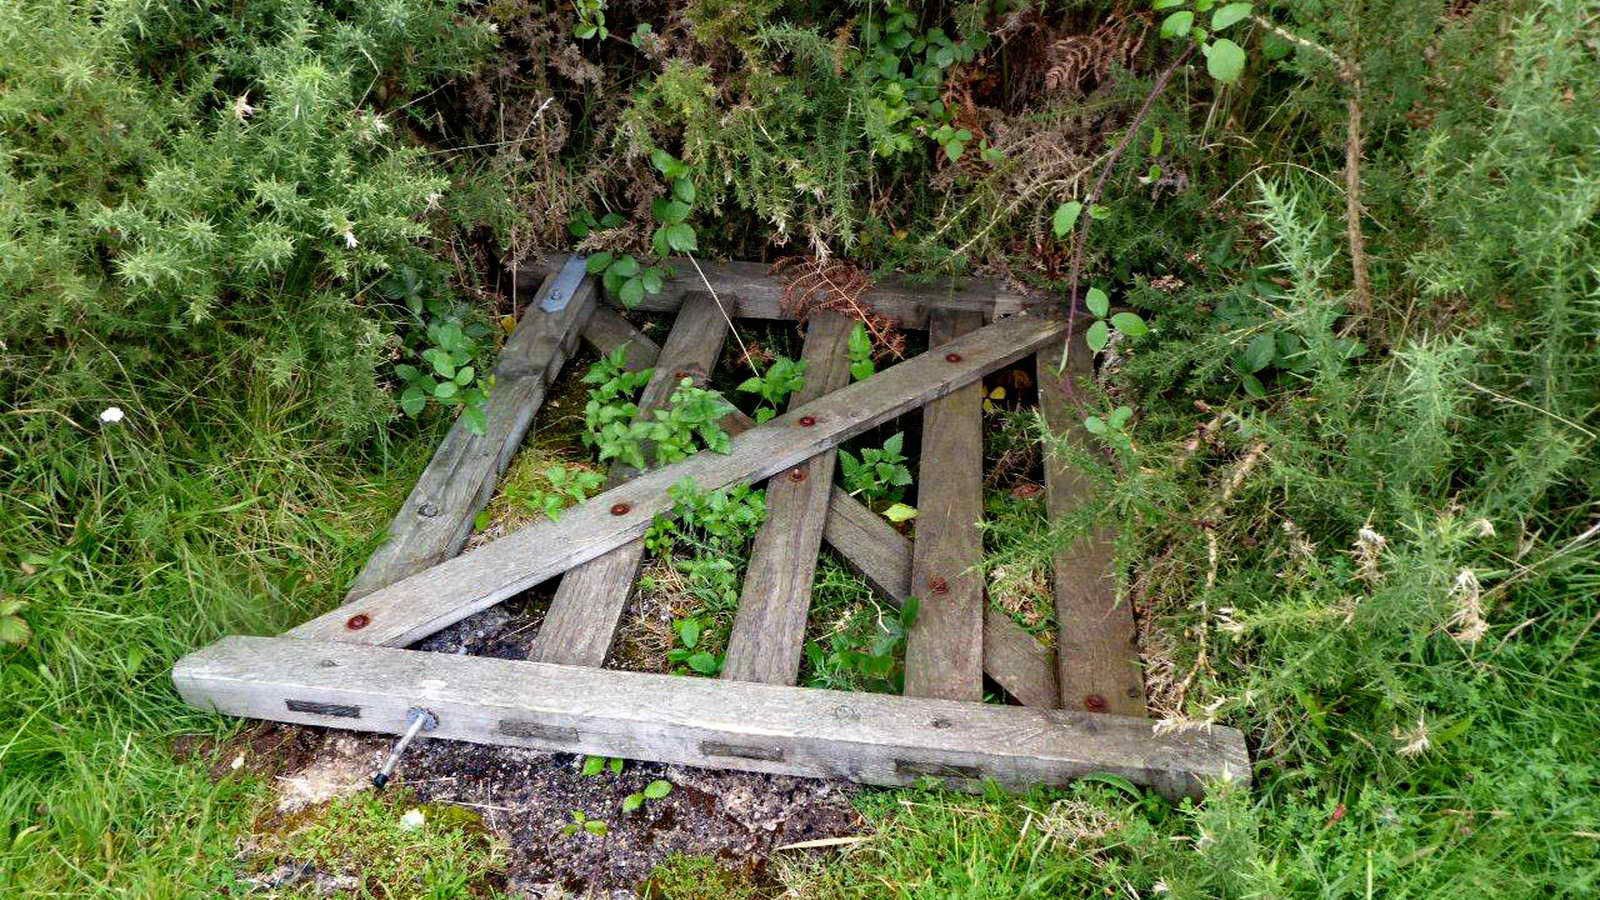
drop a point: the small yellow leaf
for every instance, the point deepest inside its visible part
(999, 393)
(509, 323)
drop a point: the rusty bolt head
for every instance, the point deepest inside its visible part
(797, 474)
(681, 374)
(620, 509)
(938, 586)
(807, 421)
(358, 621)
(1094, 703)
(952, 357)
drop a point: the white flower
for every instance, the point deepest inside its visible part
(241, 107)
(412, 820)
(111, 415)
(350, 239)
(1414, 741)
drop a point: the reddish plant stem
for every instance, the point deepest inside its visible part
(1085, 218)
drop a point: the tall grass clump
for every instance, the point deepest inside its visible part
(198, 202)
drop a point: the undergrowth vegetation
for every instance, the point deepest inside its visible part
(1343, 298)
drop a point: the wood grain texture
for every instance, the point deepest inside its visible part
(872, 738)
(944, 652)
(769, 627)
(1098, 653)
(872, 549)
(423, 603)
(607, 330)
(582, 619)
(436, 519)
(751, 293)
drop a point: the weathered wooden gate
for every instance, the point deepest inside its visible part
(1082, 705)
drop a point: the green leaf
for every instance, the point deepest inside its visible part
(482, 520)
(598, 262)
(627, 267)
(1253, 386)
(704, 663)
(689, 632)
(1097, 301)
(444, 390)
(657, 789)
(899, 512)
(1168, 4)
(1129, 324)
(593, 765)
(1229, 15)
(680, 237)
(1065, 217)
(683, 189)
(405, 372)
(669, 212)
(412, 400)
(595, 827)
(1119, 416)
(663, 161)
(632, 802)
(1098, 335)
(477, 420)
(1259, 353)
(1157, 139)
(442, 364)
(632, 292)
(615, 765)
(652, 280)
(1177, 24)
(1225, 60)
(14, 630)
(1095, 425)
(1116, 781)
(465, 375)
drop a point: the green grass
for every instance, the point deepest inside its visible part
(133, 545)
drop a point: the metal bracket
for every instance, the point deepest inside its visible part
(566, 283)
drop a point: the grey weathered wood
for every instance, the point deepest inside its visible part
(769, 627)
(436, 519)
(751, 293)
(607, 330)
(944, 652)
(452, 590)
(1098, 652)
(873, 738)
(872, 549)
(582, 619)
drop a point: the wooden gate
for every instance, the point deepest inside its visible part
(1081, 706)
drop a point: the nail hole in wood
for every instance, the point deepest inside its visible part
(741, 751)
(338, 710)
(537, 731)
(917, 768)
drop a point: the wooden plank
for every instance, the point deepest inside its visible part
(582, 619)
(769, 627)
(436, 519)
(872, 549)
(751, 293)
(944, 652)
(607, 330)
(449, 592)
(1098, 653)
(873, 738)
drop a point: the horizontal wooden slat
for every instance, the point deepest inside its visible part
(872, 738)
(751, 293)
(436, 519)
(449, 592)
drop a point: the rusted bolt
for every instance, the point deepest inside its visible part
(952, 357)
(1094, 703)
(358, 621)
(680, 374)
(807, 421)
(797, 474)
(938, 586)
(620, 509)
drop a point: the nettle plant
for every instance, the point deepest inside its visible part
(879, 476)
(782, 378)
(840, 665)
(1224, 59)
(623, 275)
(446, 349)
(861, 365)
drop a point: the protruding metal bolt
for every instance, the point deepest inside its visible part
(358, 621)
(620, 509)
(797, 474)
(417, 720)
(1094, 703)
(807, 421)
(952, 357)
(938, 586)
